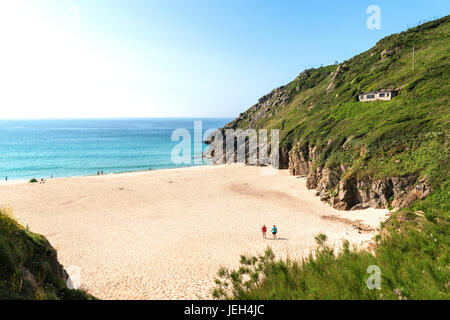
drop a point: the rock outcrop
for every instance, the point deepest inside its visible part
(335, 76)
(267, 106)
(242, 151)
(344, 192)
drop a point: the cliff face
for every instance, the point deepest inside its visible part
(266, 106)
(373, 154)
(347, 193)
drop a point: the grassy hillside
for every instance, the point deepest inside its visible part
(371, 140)
(405, 135)
(29, 268)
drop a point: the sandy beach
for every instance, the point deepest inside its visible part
(164, 234)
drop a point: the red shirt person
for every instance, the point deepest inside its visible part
(264, 230)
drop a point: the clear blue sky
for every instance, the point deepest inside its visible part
(110, 58)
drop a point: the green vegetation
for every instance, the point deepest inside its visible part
(412, 254)
(408, 135)
(384, 138)
(29, 268)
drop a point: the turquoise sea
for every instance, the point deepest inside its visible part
(65, 148)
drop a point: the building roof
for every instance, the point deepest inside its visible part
(381, 91)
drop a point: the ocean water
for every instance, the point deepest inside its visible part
(66, 148)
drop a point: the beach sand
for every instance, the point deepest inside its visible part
(164, 234)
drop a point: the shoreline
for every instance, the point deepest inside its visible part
(164, 234)
(21, 181)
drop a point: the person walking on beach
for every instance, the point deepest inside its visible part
(264, 230)
(274, 232)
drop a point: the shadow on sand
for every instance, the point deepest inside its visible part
(283, 239)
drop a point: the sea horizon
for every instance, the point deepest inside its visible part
(72, 147)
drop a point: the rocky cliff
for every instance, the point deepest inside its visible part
(335, 186)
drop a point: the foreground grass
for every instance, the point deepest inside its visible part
(29, 268)
(413, 256)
